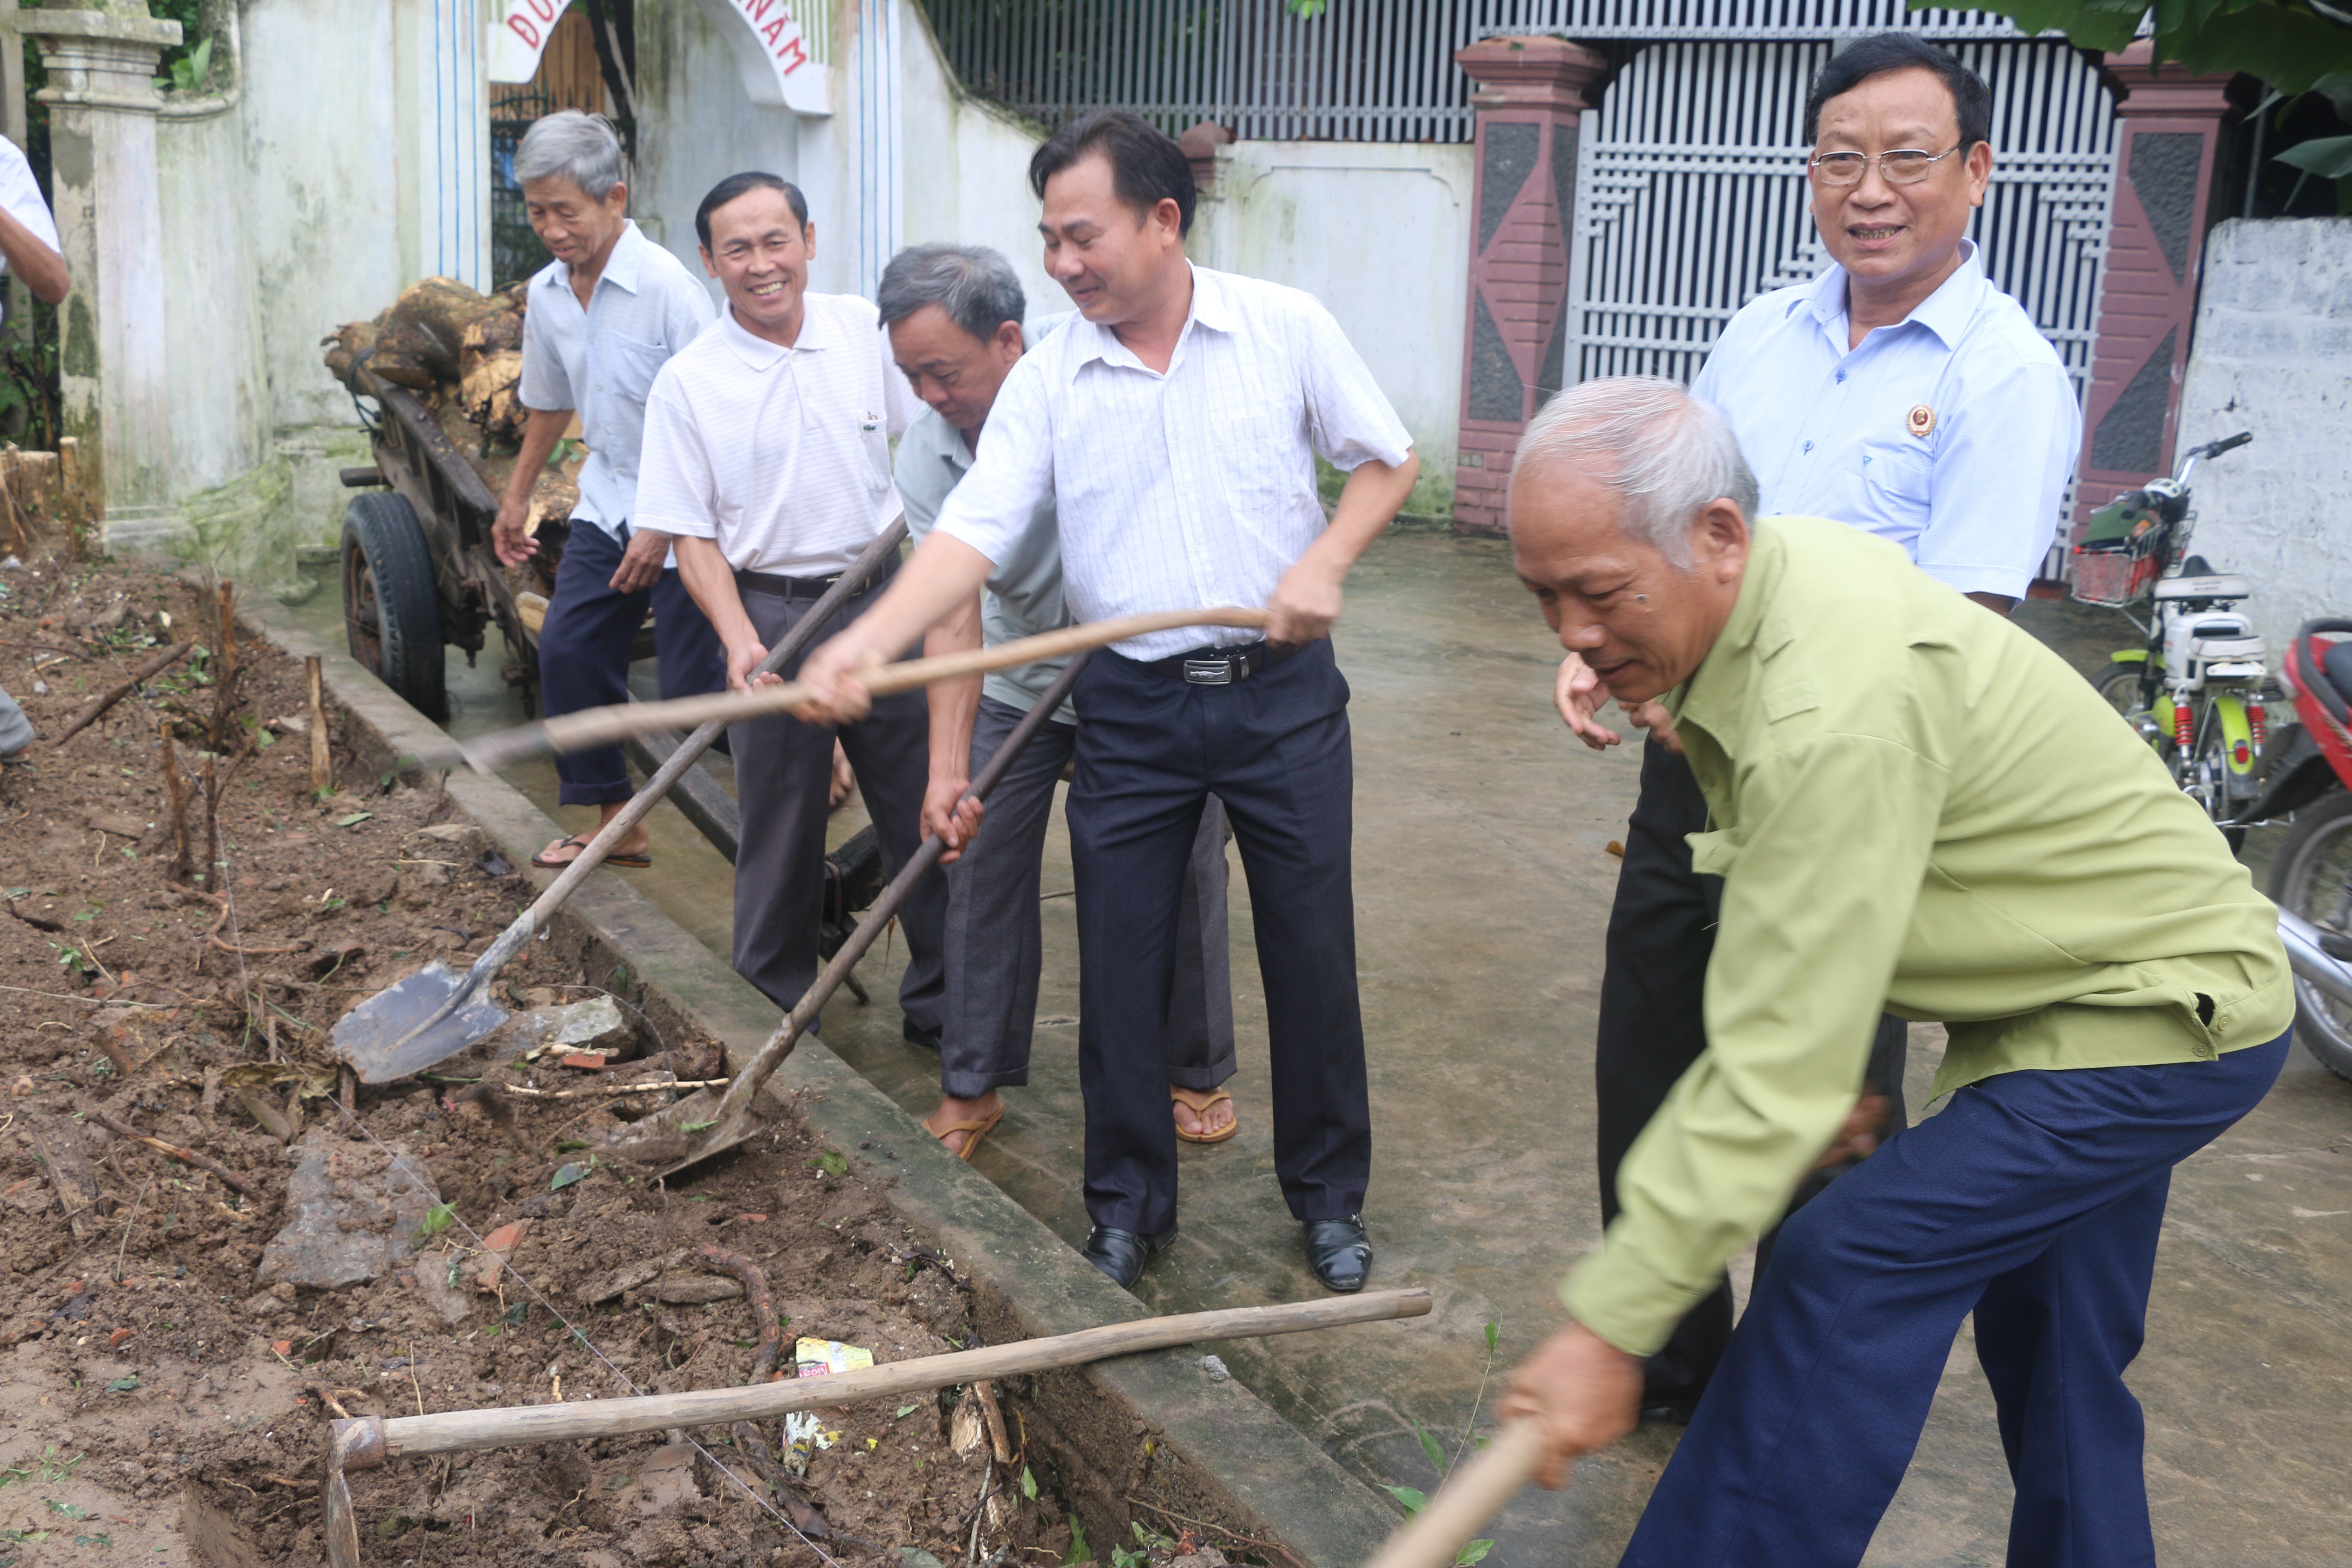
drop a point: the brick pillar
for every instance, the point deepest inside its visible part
(1514, 353)
(2170, 122)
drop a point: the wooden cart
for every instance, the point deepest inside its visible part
(419, 576)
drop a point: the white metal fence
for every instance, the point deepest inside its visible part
(1365, 70)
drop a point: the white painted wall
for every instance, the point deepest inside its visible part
(215, 365)
(696, 125)
(1292, 212)
(2274, 355)
(1302, 213)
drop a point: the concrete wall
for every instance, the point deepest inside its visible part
(1300, 212)
(696, 126)
(2274, 355)
(1292, 212)
(218, 370)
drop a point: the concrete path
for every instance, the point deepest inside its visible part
(1482, 884)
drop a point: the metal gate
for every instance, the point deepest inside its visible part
(1691, 199)
(1691, 196)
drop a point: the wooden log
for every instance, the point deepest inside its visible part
(67, 1165)
(188, 1157)
(39, 495)
(177, 788)
(375, 1439)
(322, 766)
(154, 666)
(1434, 1537)
(609, 726)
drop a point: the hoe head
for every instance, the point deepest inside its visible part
(407, 1027)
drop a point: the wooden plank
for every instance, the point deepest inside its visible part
(704, 803)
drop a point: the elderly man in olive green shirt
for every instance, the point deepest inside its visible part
(1916, 806)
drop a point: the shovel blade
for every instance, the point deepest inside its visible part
(683, 1134)
(379, 1037)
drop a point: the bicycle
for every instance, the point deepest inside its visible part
(2195, 686)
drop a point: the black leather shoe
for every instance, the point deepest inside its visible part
(1121, 1254)
(1340, 1252)
(927, 1038)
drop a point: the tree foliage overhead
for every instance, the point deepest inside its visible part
(2294, 44)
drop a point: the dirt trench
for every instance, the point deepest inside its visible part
(172, 975)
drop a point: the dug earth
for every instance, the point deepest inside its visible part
(212, 1244)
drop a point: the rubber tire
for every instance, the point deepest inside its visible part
(387, 574)
(2316, 1023)
(2118, 684)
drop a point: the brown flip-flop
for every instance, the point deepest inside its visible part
(973, 1132)
(576, 843)
(1200, 1103)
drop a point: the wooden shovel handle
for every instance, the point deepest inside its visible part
(594, 727)
(1434, 1537)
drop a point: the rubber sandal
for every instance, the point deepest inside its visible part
(973, 1132)
(1199, 1104)
(577, 844)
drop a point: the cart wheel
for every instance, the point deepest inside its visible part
(390, 614)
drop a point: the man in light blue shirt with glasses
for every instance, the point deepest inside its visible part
(1900, 392)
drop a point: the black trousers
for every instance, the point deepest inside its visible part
(784, 778)
(1654, 1026)
(1275, 748)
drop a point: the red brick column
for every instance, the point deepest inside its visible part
(1514, 354)
(2169, 125)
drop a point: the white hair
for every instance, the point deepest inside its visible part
(574, 145)
(1664, 451)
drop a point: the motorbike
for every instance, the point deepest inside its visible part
(2194, 686)
(2310, 777)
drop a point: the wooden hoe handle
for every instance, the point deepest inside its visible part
(1434, 1537)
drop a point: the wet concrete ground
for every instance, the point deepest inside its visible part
(1483, 885)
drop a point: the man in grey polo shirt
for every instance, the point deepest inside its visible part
(954, 314)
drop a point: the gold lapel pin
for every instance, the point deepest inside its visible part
(1920, 421)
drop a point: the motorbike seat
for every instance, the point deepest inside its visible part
(2209, 585)
(2337, 664)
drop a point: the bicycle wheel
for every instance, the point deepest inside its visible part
(2120, 685)
(2313, 878)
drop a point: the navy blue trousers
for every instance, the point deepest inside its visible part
(2033, 1201)
(1275, 748)
(584, 653)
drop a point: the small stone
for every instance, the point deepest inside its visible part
(594, 1025)
(1215, 1368)
(263, 1304)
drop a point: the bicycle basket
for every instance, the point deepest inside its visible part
(2114, 578)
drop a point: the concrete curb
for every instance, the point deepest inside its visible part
(1154, 1425)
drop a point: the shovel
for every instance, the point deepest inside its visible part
(703, 1125)
(434, 1014)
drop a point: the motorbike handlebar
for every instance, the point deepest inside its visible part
(2227, 444)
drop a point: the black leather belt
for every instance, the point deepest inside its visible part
(778, 587)
(1221, 665)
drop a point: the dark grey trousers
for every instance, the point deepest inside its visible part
(994, 940)
(783, 774)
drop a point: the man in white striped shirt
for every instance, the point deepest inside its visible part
(767, 454)
(1176, 429)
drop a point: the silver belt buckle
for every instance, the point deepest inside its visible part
(1208, 672)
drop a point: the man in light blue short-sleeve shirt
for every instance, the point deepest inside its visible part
(1902, 393)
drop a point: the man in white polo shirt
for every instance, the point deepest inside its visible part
(954, 314)
(768, 454)
(1176, 429)
(28, 232)
(604, 318)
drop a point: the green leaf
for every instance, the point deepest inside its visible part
(1429, 1446)
(1079, 1551)
(102, 1538)
(67, 1509)
(437, 1219)
(1028, 1484)
(566, 1175)
(569, 1144)
(354, 819)
(2329, 157)
(1412, 1499)
(123, 1385)
(1476, 1552)
(902, 1410)
(263, 740)
(1492, 1329)
(696, 1126)
(831, 1163)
